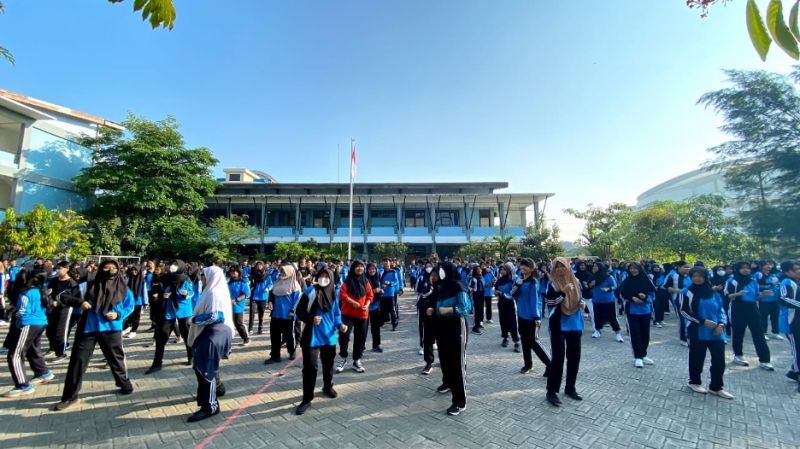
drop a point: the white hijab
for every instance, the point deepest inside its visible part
(215, 298)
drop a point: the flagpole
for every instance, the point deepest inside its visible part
(350, 226)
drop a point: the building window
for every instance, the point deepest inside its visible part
(383, 217)
(447, 218)
(485, 218)
(235, 177)
(415, 218)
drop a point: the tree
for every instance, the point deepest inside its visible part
(541, 244)
(289, 251)
(44, 233)
(502, 245)
(478, 250)
(180, 237)
(392, 249)
(227, 236)
(604, 227)
(761, 164)
(762, 34)
(143, 176)
(161, 13)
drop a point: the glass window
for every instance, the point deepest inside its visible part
(447, 218)
(235, 177)
(415, 218)
(485, 218)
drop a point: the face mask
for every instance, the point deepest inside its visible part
(720, 272)
(324, 281)
(173, 268)
(113, 271)
(441, 273)
(428, 269)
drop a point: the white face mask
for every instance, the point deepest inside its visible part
(428, 269)
(173, 268)
(441, 273)
(113, 271)
(324, 281)
(720, 272)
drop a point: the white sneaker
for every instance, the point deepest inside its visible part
(3, 323)
(740, 361)
(358, 367)
(421, 351)
(596, 334)
(766, 338)
(126, 331)
(659, 325)
(619, 338)
(698, 388)
(721, 393)
(648, 361)
(766, 366)
(435, 346)
(340, 366)
(179, 341)
(777, 336)
(638, 363)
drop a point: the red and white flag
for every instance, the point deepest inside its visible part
(353, 161)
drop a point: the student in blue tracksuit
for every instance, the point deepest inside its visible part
(318, 308)
(604, 287)
(240, 293)
(489, 279)
(790, 314)
(507, 307)
(661, 301)
(768, 306)
(566, 328)
(676, 281)
(744, 293)
(450, 306)
(703, 311)
(390, 285)
(26, 335)
(194, 271)
(106, 305)
(282, 299)
(175, 303)
(375, 314)
(526, 295)
(638, 292)
(261, 287)
(137, 283)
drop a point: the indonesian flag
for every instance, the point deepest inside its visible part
(353, 161)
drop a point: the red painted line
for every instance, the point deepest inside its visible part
(221, 428)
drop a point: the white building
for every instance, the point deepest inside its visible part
(695, 183)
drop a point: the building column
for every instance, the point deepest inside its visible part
(263, 224)
(297, 222)
(432, 226)
(537, 218)
(400, 223)
(332, 222)
(21, 159)
(365, 229)
(501, 210)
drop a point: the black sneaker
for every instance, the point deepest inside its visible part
(201, 415)
(126, 390)
(331, 393)
(63, 405)
(377, 349)
(153, 369)
(302, 408)
(477, 331)
(270, 361)
(526, 369)
(443, 389)
(394, 327)
(553, 399)
(454, 410)
(573, 395)
(504, 343)
(427, 370)
(516, 347)
(292, 356)
(793, 375)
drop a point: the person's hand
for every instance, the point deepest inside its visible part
(709, 324)
(445, 310)
(605, 289)
(269, 306)
(520, 281)
(111, 316)
(53, 303)
(642, 295)
(364, 308)
(768, 293)
(718, 330)
(343, 328)
(570, 287)
(85, 305)
(592, 284)
(378, 291)
(167, 295)
(291, 314)
(538, 323)
(317, 320)
(184, 292)
(429, 311)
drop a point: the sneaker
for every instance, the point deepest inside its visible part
(573, 395)
(302, 408)
(43, 378)
(246, 342)
(201, 415)
(358, 367)
(793, 375)
(504, 343)
(596, 334)
(435, 346)
(179, 341)
(766, 338)
(3, 323)
(421, 351)
(19, 391)
(63, 405)
(777, 336)
(739, 360)
(489, 322)
(427, 370)
(58, 360)
(766, 366)
(698, 388)
(516, 347)
(648, 361)
(153, 369)
(526, 369)
(477, 331)
(619, 338)
(685, 343)
(131, 335)
(377, 349)
(454, 410)
(126, 331)
(330, 392)
(721, 393)
(553, 399)
(638, 363)
(442, 389)
(342, 363)
(659, 325)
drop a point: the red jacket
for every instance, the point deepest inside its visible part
(349, 309)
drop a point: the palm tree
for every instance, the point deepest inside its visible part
(503, 244)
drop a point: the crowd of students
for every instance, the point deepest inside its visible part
(318, 305)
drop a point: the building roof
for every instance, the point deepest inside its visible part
(47, 106)
(406, 188)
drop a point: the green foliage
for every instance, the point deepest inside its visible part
(604, 227)
(761, 164)
(181, 237)
(779, 31)
(292, 251)
(391, 249)
(758, 31)
(484, 250)
(44, 233)
(160, 12)
(227, 236)
(503, 245)
(541, 244)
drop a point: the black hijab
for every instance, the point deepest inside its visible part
(741, 279)
(326, 295)
(193, 272)
(356, 284)
(136, 282)
(633, 285)
(174, 280)
(108, 289)
(258, 274)
(704, 290)
(717, 279)
(601, 275)
(450, 284)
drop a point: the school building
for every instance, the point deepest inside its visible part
(427, 217)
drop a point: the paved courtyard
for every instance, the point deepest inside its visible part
(392, 406)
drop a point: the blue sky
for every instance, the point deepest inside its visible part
(591, 100)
